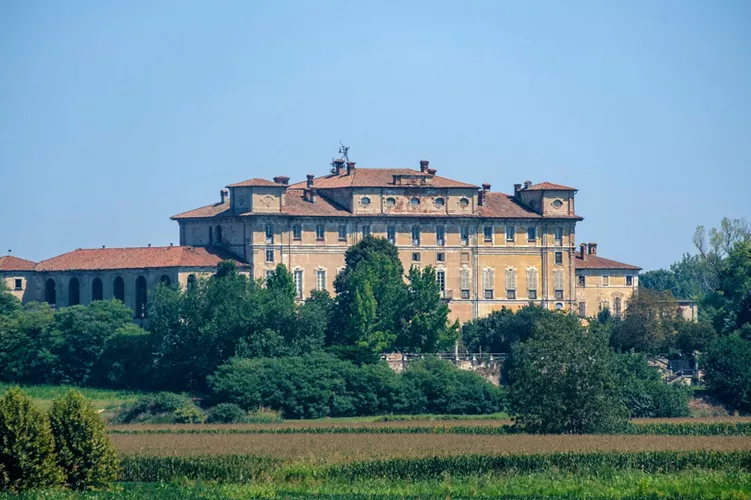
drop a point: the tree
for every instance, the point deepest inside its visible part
(498, 331)
(725, 303)
(727, 371)
(562, 380)
(643, 391)
(8, 302)
(84, 450)
(27, 450)
(684, 279)
(693, 335)
(648, 324)
(26, 340)
(127, 360)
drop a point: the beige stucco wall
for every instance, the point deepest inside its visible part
(596, 295)
(22, 293)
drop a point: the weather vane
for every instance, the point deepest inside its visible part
(343, 150)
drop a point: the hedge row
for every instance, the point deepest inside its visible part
(661, 429)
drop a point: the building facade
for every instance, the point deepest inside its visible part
(602, 283)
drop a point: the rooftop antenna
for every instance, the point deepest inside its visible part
(343, 150)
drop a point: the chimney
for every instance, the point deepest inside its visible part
(222, 195)
(583, 251)
(350, 167)
(593, 249)
(282, 179)
(424, 165)
(149, 245)
(517, 189)
(432, 171)
(527, 184)
(338, 166)
(482, 193)
(310, 180)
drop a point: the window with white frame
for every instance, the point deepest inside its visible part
(606, 280)
(320, 232)
(391, 234)
(440, 257)
(269, 255)
(629, 280)
(464, 282)
(487, 234)
(342, 230)
(510, 283)
(416, 235)
(582, 280)
(269, 233)
(297, 276)
(464, 235)
(510, 233)
(441, 278)
(558, 236)
(558, 258)
(532, 278)
(558, 283)
(321, 279)
(296, 232)
(488, 282)
(440, 236)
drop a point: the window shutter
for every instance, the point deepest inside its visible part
(558, 279)
(464, 278)
(531, 279)
(510, 279)
(489, 279)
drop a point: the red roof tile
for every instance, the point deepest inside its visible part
(12, 263)
(597, 262)
(207, 211)
(549, 186)
(255, 182)
(89, 259)
(296, 205)
(378, 177)
(503, 205)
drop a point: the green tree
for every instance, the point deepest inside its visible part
(643, 391)
(27, 450)
(727, 371)
(8, 302)
(84, 450)
(427, 328)
(648, 324)
(127, 360)
(26, 340)
(499, 330)
(562, 380)
(725, 303)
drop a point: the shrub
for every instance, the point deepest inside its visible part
(226, 413)
(189, 415)
(84, 450)
(645, 393)
(264, 416)
(163, 407)
(27, 450)
(727, 371)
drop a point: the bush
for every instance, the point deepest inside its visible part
(644, 392)
(27, 450)
(727, 371)
(84, 450)
(163, 407)
(264, 416)
(226, 413)
(189, 415)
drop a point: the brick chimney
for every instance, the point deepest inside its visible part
(424, 166)
(432, 171)
(583, 251)
(282, 179)
(527, 184)
(517, 189)
(310, 180)
(483, 192)
(310, 192)
(350, 167)
(223, 194)
(592, 248)
(338, 166)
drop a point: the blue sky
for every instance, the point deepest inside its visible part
(116, 115)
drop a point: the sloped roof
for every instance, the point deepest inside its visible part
(13, 263)
(549, 186)
(255, 182)
(90, 259)
(597, 262)
(208, 211)
(379, 177)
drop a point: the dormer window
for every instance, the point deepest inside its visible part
(557, 204)
(365, 201)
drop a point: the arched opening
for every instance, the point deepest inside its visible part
(118, 289)
(97, 291)
(50, 292)
(219, 235)
(617, 307)
(165, 279)
(74, 292)
(140, 297)
(191, 282)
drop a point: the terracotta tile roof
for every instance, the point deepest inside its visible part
(597, 262)
(89, 259)
(378, 177)
(503, 205)
(207, 211)
(545, 186)
(254, 182)
(12, 263)
(296, 205)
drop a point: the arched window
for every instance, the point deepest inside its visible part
(118, 289)
(50, 292)
(140, 297)
(165, 279)
(617, 307)
(219, 235)
(191, 282)
(74, 292)
(97, 292)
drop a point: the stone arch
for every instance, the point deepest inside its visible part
(617, 307)
(191, 282)
(97, 290)
(50, 292)
(165, 279)
(118, 289)
(74, 292)
(140, 297)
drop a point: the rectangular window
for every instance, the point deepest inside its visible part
(559, 295)
(629, 281)
(321, 279)
(415, 257)
(558, 236)
(511, 294)
(465, 294)
(269, 234)
(391, 234)
(342, 232)
(440, 236)
(298, 283)
(365, 231)
(582, 280)
(532, 294)
(464, 258)
(269, 255)
(582, 309)
(441, 277)
(559, 258)
(510, 232)
(320, 233)
(488, 294)
(416, 235)
(488, 280)
(464, 282)
(531, 234)
(558, 282)
(19, 283)
(606, 281)
(510, 283)
(440, 257)
(532, 278)
(296, 232)
(487, 234)
(464, 235)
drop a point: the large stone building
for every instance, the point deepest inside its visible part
(490, 249)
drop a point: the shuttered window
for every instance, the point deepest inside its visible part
(532, 283)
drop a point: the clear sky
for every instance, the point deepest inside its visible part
(115, 115)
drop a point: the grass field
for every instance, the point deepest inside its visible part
(102, 399)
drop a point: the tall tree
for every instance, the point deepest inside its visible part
(427, 328)
(648, 324)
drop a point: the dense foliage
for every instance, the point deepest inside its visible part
(727, 371)
(161, 407)
(643, 391)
